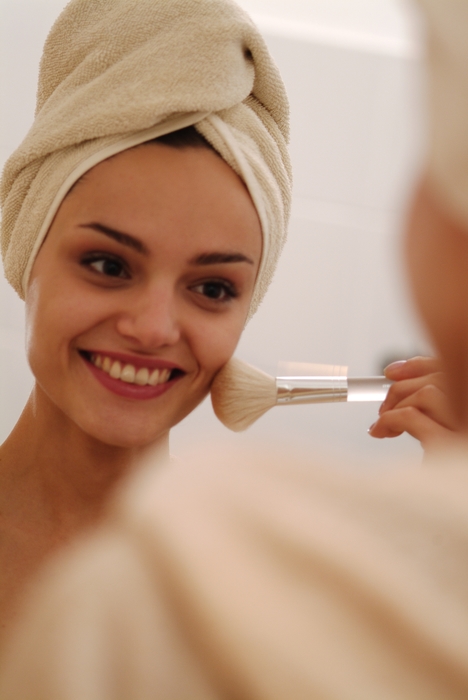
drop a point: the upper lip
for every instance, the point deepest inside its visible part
(135, 360)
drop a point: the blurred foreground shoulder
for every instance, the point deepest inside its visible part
(258, 574)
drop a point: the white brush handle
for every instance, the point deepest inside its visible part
(299, 390)
(368, 388)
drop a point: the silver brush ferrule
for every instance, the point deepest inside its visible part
(328, 389)
(296, 390)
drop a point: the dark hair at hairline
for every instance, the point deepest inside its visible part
(188, 137)
(183, 138)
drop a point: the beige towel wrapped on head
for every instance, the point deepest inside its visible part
(447, 50)
(116, 73)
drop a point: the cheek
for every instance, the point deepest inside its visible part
(436, 256)
(435, 269)
(428, 265)
(214, 342)
(56, 314)
(418, 273)
(39, 339)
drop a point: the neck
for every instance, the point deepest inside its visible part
(53, 473)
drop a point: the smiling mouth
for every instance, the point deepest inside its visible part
(128, 373)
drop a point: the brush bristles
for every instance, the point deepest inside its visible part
(240, 394)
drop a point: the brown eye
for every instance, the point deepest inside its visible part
(108, 266)
(216, 290)
(213, 290)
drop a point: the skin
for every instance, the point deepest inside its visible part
(157, 295)
(430, 396)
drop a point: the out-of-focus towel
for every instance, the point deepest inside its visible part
(447, 50)
(116, 73)
(258, 575)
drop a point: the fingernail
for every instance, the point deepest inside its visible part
(394, 365)
(370, 429)
(381, 408)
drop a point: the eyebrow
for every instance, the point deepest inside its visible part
(119, 236)
(216, 258)
(126, 239)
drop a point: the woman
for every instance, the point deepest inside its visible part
(143, 216)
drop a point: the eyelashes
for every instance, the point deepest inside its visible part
(220, 291)
(112, 267)
(107, 265)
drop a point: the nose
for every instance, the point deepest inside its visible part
(150, 319)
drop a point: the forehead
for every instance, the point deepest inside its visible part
(154, 189)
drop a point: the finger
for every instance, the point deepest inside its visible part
(412, 421)
(414, 367)
(405, 388)
(433, 402)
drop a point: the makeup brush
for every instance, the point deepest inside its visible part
(240, 393)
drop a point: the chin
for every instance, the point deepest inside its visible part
(121, 431)
(132, 426)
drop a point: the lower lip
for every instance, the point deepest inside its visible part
(127, 390)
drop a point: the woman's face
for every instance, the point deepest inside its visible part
(140, 291)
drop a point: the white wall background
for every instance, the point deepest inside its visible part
(352, 70)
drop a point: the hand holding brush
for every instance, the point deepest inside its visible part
(417, 403)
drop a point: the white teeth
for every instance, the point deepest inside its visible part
(115, 370)
(128, 373)
(142, 376)
(164, 376)
(154, 377)
(97, 359)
